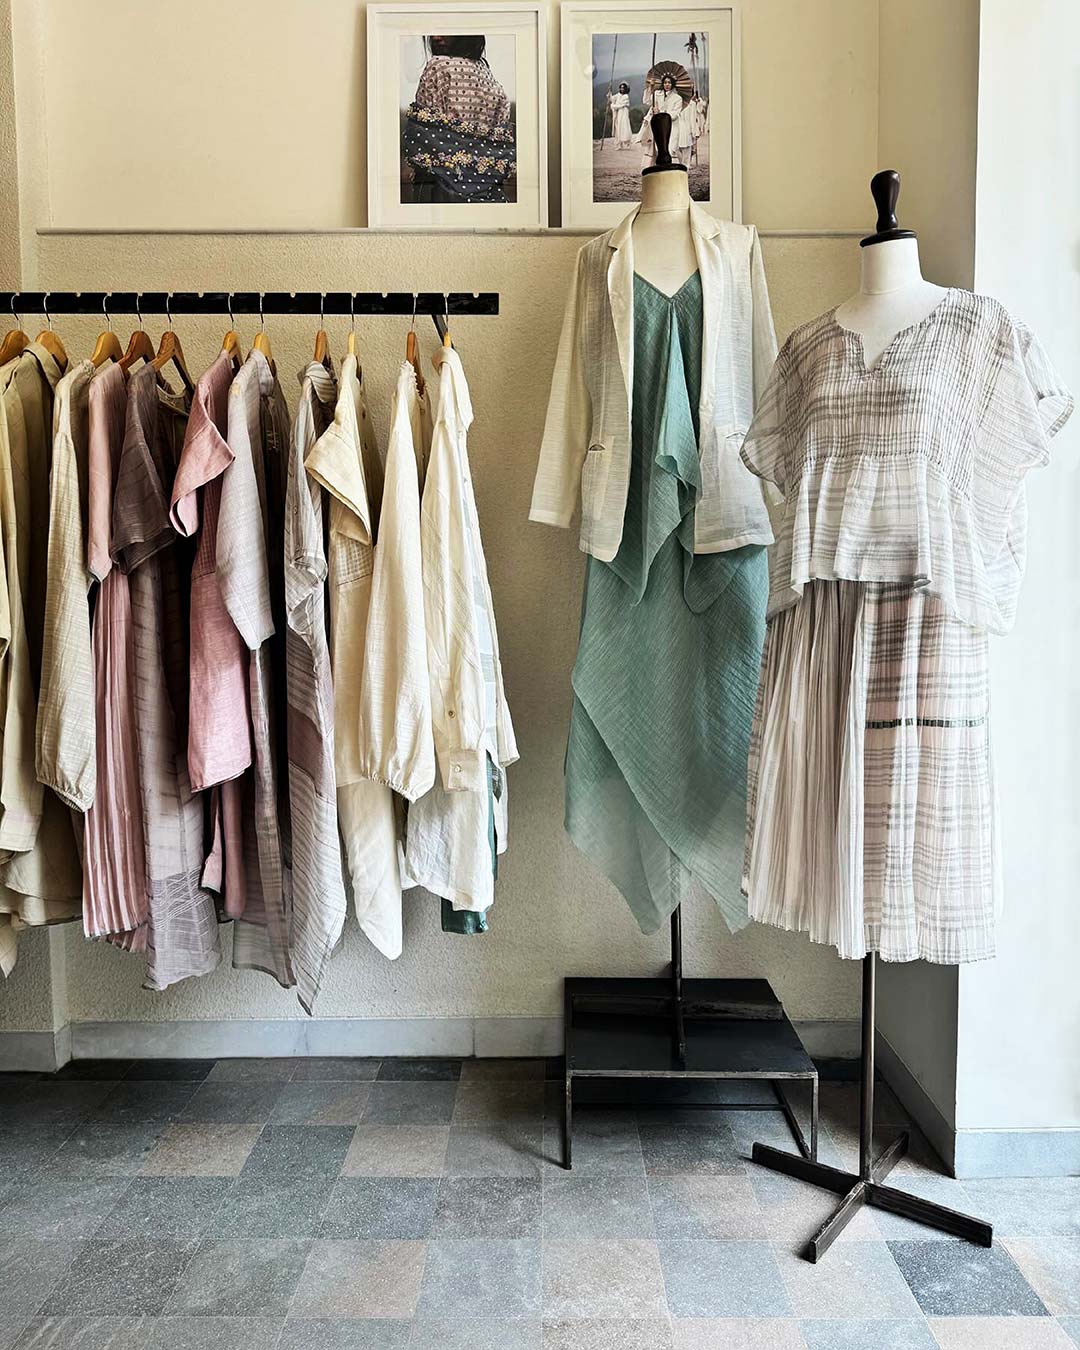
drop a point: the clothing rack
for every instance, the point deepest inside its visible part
(354, 304)
(866, 1186)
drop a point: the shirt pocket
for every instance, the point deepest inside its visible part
(594, 475)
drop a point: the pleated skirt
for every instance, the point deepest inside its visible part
(871, 821)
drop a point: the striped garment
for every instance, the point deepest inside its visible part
(912, 470)
(182, 939)
(345, 462)
(219, 732)
(114, 870)
(65, 713)
(319, 904)
(250, 573)
(40, 880)
(871, 822)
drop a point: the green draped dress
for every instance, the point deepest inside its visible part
(667, 665)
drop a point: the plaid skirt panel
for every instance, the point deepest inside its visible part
(871, 817)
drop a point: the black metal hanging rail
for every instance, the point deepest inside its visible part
(358, 303)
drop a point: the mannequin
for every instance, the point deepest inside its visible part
(663, 241)
(892, 293)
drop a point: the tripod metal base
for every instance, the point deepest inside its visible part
(865, 1187)
(856, 1192)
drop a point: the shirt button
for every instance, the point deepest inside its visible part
(451, 713)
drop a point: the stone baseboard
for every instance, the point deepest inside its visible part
(981, 1153)
(484, 1037)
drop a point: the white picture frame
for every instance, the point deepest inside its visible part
(516, 55)
(600, 183)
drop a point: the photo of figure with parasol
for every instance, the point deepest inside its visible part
(634, 76)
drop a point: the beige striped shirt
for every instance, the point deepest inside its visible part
(65, 713)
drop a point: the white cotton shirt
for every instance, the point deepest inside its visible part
(344, 460)
(448, 849)
(396, 745)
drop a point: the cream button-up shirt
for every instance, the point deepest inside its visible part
(585, 454)
(66, 733)
(395, 701)
(345, 462)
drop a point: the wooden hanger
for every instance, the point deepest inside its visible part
(50, 340)
(412, 352)
(322, 342)
(262, 342)
(230, 343)
(139, 347)
(15, 341)
(107, 347)
(412, 355)
(171, 350)
(446, 323)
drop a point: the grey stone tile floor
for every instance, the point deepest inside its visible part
(365, 1204)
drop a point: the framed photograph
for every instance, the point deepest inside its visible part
(457, 116)
(623, 61)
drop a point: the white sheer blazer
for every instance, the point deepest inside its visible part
(585, 455)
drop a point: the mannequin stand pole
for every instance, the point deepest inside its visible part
(865, 1187)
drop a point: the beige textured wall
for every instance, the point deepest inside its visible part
(10, 271)
(260, 141)
(928, 126)
(271, 100)
(554, 915)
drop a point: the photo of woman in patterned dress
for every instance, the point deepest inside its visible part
(457, 120)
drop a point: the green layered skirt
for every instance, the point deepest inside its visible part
(667, 665)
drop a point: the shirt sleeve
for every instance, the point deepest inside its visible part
(65, 741)
(569, 419)
(1022, 407)
(764, 334)
(766, 449)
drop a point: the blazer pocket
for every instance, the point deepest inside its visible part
(594, 474)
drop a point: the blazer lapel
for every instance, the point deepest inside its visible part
(620, 281)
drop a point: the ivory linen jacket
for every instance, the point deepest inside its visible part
(585, 452)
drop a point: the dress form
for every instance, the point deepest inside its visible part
(892, 293)
(663, 241)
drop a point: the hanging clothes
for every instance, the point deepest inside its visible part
(456, 830)
(901, 545)
(65, 714)
(219, 747)
(40, 874)
(114, 872)
(668, 659)
(344, 461)
(182, 939)
(397, 746)
(319, 902)
(250, 572)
